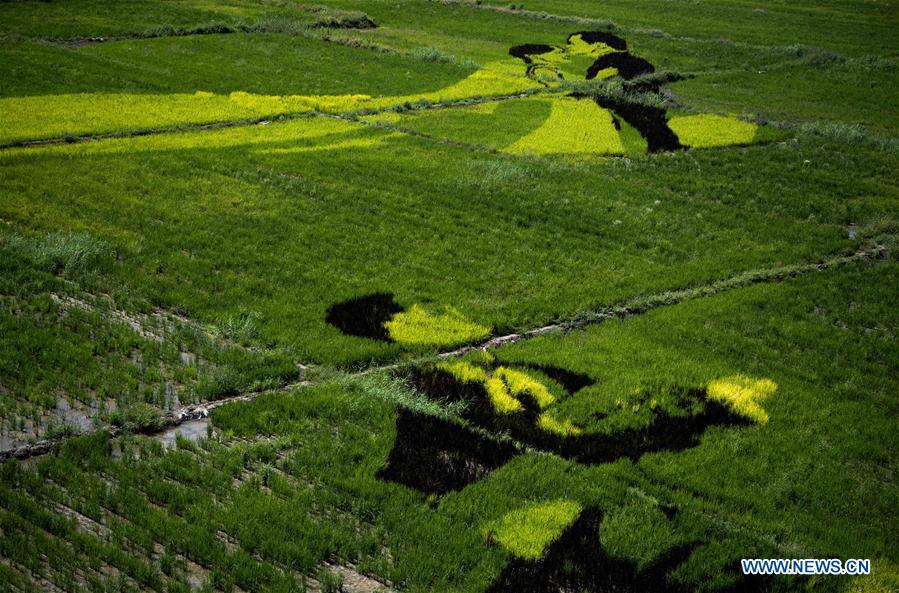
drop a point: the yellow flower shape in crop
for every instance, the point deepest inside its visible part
(743, 394)
(528, 531)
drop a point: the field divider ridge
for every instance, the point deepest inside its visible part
(633, 307)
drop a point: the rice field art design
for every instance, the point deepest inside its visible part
(519, 400)
(560, 545)
(596, 55)
(628, 116)
(378, 316)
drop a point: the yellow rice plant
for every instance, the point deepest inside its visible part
(565, 428)
(505, 77)
(464, 372)
(520, 383)
(305, 130)
(574, 126)
(417, 326)
(500, 397)
(528, 531)
(743, 394)
(579, 47)
(704, 131)
(57, 116)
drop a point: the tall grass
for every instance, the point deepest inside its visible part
(63, 252)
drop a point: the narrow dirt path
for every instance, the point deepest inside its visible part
(634, 307)
(641, 305)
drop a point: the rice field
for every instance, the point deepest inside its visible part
(447, 295)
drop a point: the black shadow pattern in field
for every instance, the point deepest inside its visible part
(577, 561)
(364, 316)
(667, 430)
(627, 65)
(524, 53)
(650, 121)
(571, 381)
(436, 456)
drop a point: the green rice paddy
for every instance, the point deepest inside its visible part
(446, 295)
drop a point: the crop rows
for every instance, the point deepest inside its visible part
(170, 521)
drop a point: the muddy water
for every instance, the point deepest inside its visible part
(192, 430)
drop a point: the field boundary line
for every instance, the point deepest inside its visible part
(176, 129)
(631, 308)
(605, 24)
(640, 305)
(172, 419)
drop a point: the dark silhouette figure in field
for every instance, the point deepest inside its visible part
(610, 58)
(577, 561)
(436, 456)
(364, 316)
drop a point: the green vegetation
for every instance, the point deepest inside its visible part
(291, 478)
(573, 126)
(790, 332)
(75, 344)
(671, 287)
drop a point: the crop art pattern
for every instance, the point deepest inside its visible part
(519, 400)
(625, 116)
(379, 317)
(594, 55)
(559, 544)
